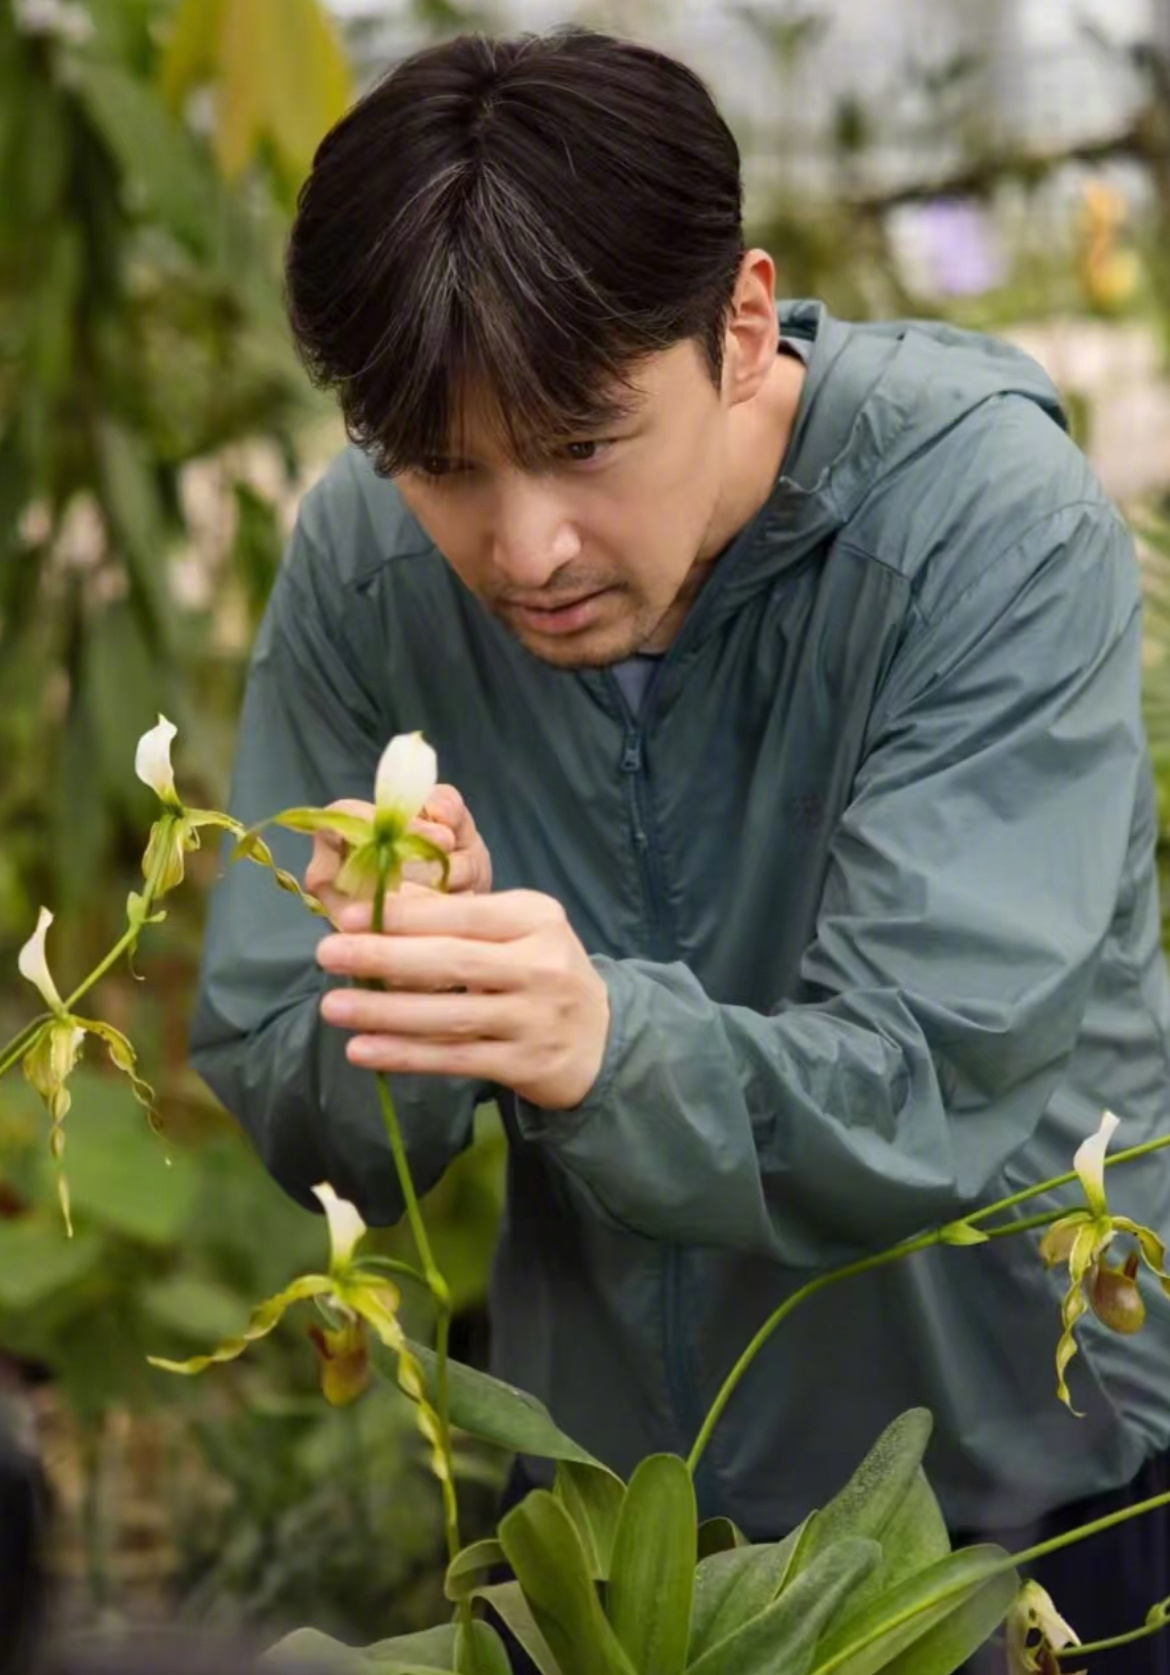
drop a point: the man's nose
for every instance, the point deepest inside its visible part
(532, 535)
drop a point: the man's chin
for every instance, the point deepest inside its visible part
(595, 649)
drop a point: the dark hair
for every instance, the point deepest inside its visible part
(524, 218)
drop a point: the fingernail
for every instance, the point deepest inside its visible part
(328, 949)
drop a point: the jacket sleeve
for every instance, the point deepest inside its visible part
(310, 733)
(971, 884)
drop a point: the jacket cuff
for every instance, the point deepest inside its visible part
(538, 1123)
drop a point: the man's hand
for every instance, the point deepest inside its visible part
(531, 1012)
(446, 820)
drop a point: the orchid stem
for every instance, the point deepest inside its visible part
(437, 1285)
(897, 1253)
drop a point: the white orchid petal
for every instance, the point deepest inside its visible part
(32, 962)
(407, 774)
(346, 1226)
(152, 760)
(1089, 1162)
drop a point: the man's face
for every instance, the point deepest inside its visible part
(598, 555)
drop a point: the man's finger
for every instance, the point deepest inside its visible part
(443, 837)
(410, 1055)
(503, 917)
(445, 806)
(421, 962)
(452, 1017)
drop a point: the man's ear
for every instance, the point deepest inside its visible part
(753, 331)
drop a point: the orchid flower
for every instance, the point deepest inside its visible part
(405, 777)
(51, 1056)
(1081, 1239)
(354, 1294)
(1036, 1632)
(176, 831)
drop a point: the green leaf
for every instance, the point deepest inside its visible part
(784, 1636)
(480, 1651)
(308, 1648)
(176, 187)
(406, 1654)
(121, 689)
(37, 1262)
(948, 1645)
(733, 1587)
(915, 1537)
(877, 1637)
(486, 1407)
(507, 1599)
(190, 55)
(652, 1570)
(192, 1306)
(469, 1565)
(546, 1554)
(118, 1169)
(875, 1491)
(593, 1499)
(719, 1535)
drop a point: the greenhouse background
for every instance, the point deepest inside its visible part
(1007, 168)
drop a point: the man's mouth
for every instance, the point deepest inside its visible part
(563, 618)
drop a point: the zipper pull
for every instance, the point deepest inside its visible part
(632, 754)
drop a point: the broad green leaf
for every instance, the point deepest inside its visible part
(192, 1305)
(652, 1569)
(157, 153)
(948, 1645)
(118, 1170)
(593, 1499)
(546, 1554)
(407, 1654)
(486, 1407)
(875, 1491)
(189, 57)
(37, 1263)
(469, 1566)
(308, 1648)
(507, 1599)
(871, 1640)
(719, 1535)
(733, 1587)
(784, 1636)
(480, 1651)
(914, 1538)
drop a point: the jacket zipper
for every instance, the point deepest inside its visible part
(678, 1374)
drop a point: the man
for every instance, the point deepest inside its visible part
(785, 674)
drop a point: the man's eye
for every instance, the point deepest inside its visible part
(436, 466)
(582, 452)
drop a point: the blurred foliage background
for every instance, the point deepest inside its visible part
(156, 434)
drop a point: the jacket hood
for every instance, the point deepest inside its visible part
(875, 398)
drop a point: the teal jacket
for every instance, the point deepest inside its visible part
(871, 881)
